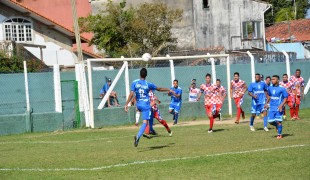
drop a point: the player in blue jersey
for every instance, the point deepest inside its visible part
(258, 91)
(140, 88)
(176, 101)
(277, 97)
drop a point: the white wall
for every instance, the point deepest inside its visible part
(2, 18)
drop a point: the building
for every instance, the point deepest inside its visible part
(42, 36)
(291, 36)
(233, 24)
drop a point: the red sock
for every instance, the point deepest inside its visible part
(211, 122)
(297, 110)
(239, 110)
(147, 129)
(164, 123)
(292, 112)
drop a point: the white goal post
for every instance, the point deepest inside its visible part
(124, 68)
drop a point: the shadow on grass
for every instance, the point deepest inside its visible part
(218, 130)
(157, 147)
(285, 135)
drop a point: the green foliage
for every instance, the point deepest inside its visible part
(131, 31)
(15, 64)
(283, 10)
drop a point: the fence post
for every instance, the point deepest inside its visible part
(57, 88)
(28, 124)
(171, 69)
(287, 62)
(213, 69)
(84, 94)
(91, 96)
(127, 86)
(252, 66)
(228, 86)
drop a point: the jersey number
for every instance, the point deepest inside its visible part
(141, 93)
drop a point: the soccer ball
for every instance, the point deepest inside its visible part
(146, 57)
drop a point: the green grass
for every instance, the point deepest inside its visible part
(111, 146)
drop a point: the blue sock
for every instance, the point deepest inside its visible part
(279, 129)
(176, 116)
(151, 121)
(141, 131)
(265, 121)
(252, 120)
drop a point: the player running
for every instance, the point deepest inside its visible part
(176, 101)
(299, 85)
(220, 95)
(155, 114)
(258, 91)
(277, 97)
(288, 85)
(141, 88)
(209, 98)
(237, 90)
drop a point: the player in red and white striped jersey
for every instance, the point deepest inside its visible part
(299, 85)
(220, 95)
(288, 85)
(237, 90)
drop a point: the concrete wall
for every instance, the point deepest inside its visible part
(297, 47)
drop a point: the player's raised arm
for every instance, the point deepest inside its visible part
(162, 89)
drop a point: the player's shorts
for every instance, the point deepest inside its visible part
(157, 114)
(145, 109)
(275, 116)
(216, 108)
(175, 106)
(238, 101)
(209, 109)
(257, 109)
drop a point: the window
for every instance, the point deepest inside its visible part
(205, 3)
(252, 30)
(18, 29)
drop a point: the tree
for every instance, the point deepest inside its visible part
(131, 31)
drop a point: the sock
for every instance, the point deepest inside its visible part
(238, 113)
(151, 121)
(297, 110)
(252, 120)
(279, 128)
(147, 129)
(141, 130)
(265, 121)
(164, 123)
(137, 116)
(292, 112)
(211, 122)
(176, 116)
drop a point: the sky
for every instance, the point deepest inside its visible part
(308, 14)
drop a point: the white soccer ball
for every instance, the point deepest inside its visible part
(146, 57)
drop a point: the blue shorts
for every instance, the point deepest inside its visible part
(145, 109)
(275, 116)
(257, 109)
(175, 106)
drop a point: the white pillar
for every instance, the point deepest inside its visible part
(228, 86)
(213, 69)
(252, 66)
(287, 62)
(127, 85)
(171, 70)
(91, 96)
(26, 87)
(57, 88)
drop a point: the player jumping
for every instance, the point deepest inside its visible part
(176, 101)
(258, 91)
(220, 95)
(277, 97)
(141, 88)
(237, 90)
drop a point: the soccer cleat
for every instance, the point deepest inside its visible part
(243, 116)
(210, 131)
(170, 133)
(236, 122)
(266, 129)
(252, 128)
(279, 136)
(147, 136)
(153, 132)
(284, 117)
(136, 141)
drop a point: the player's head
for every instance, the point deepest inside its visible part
(236, 76)
(175, 83)
(262, 77)
(285, 77)
(208, 78)
(257, 77)
(275, 80)
(218, 82)
(298, 72)
(193, 85)
(109, 81)
(193, 80)
(268, 79)
(143, 73)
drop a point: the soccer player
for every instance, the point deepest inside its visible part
(141, 88)
(268, 81)
(277, 97)
(299, 85)
(237, 90)
(258, 91)
(209, 98)
(220, 95)
(288, 85)
(176, 101)
(193, 92)
(155, 114)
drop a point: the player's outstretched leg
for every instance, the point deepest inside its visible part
(140, 133)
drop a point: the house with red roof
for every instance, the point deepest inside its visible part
(44, 29)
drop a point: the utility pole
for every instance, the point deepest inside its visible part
(295, 9)
(289, 27)
(77, 31)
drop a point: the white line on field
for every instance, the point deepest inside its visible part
(61, 142)
(150, 161)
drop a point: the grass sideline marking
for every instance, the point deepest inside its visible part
(150, 161)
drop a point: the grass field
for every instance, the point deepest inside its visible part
(231, 152)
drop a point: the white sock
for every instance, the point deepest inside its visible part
(137, 117)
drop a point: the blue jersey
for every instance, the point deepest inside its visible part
(258, 89)
(105, 88)
(175, 99)
(277, 94)
(141, 89)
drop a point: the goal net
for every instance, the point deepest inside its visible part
(118, 73)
